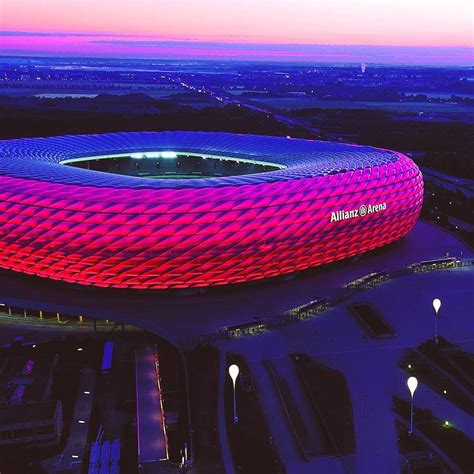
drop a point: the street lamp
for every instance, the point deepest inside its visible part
(412, 383)
(436, 306)
(234, 373)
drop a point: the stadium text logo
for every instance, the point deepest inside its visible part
(361, 212)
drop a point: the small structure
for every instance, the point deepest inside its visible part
(107, 357)
(151, 432)
(37, 424)
(27, 415)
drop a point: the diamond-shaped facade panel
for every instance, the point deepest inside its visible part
(319, 202)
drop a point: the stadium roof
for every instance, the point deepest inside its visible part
(38, 158)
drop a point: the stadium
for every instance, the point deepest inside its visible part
(174, 210)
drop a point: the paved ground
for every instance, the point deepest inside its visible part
(201, 314)
(335, 339)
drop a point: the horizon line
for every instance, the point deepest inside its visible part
(308, 62)
(220, 40)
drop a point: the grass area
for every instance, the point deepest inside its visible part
(454, 443)
(203, 372)
(291, 103)
(250, 440)
(329, 394)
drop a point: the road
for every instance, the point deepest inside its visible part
(223, 99)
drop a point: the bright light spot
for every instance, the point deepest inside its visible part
(87, 393)
(75, 456)
(168, 154)
(153, 154)
(446, 423)
(234, 372)
(34, 346)
(409, 366)
(79, 349)
(445, 392)
(412, 383)
(137, 156)
(81, 422)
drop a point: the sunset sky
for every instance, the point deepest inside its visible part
(194, 28)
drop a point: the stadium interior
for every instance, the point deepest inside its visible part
(172, 165)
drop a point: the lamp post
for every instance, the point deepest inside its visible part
(436, 306)
(234, 373)
(412, 383)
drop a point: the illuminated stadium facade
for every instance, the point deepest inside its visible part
(163, 210)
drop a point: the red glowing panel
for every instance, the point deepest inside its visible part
(177, 235)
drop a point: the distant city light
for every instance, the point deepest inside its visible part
(79, 349)
(87, 393)
(81, 422)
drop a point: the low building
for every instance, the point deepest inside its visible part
(31, 424)
(28, 417)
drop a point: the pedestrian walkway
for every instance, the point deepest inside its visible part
(73, 456)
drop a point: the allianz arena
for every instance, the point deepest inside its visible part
(163, 210)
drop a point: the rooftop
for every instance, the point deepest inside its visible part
(28, 412)
(24, 378)
(37, 158)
